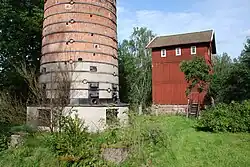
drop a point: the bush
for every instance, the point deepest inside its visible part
(234, 117)
(3, 143)
(23, 129)
(74, 145)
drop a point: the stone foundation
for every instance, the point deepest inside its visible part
(169, 109)
(95, 118)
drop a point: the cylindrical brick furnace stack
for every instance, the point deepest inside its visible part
(80, 36)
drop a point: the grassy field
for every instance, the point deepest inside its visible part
(187, 147)
(155, 141)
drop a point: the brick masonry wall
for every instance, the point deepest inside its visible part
(83, 32)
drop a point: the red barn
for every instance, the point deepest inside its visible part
(168, 82)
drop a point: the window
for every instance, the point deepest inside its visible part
(178, 51)
(163, 53)
(193, 50)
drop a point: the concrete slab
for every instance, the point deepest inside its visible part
(95, 118)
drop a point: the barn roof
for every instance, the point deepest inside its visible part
(180, 39)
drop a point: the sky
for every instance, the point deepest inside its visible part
(230, 19)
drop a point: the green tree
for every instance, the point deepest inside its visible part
(245, 54)
(197, 74)
(20, 41)
(231, 78)
(222, 67)
(135, 67)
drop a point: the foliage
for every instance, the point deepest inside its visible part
(222, 67)
(23, 129)
(172, 141)
(157, 141)
(144, 138)
(12, 109)
(196, 73)
(3, 142)
(20, 41)
(4, 134)
(231, 79)
(32, 153)
(234, 117)
(74, 146)
(135, 67)
(245, 54)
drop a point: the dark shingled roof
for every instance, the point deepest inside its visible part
(180, 39)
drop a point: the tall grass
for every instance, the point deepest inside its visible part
(152, 141)
(32, 154)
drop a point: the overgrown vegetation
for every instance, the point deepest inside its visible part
(228, 85)
(74, 146)
(231, 78)
(135, 69)
(153, 141)
(196, 74)
(233, 117)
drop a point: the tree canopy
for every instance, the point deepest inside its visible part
(135, 67)
(20, 41)
(230, 80)
(196, 73)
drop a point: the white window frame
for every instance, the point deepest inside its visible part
(176, 51)
(191, 48)
(163, 53)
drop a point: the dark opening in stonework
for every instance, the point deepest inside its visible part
(93, 69)
(43, 70)
(111, 116)
(44, 117)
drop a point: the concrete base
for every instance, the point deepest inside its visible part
(94, 117)
(169, 109)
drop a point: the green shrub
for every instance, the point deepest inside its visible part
(3, 142)
(74, 145)
(234, 117)
(23, 128)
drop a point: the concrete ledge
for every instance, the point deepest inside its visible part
(94, 117)
(169, 109)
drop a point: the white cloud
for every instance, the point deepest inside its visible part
(228, 18)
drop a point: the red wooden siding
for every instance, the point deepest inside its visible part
(168, 82)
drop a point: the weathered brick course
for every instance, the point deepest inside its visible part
(85, 27)
(82, 31)
(58, 37)
(76, 55)
(85, 17)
